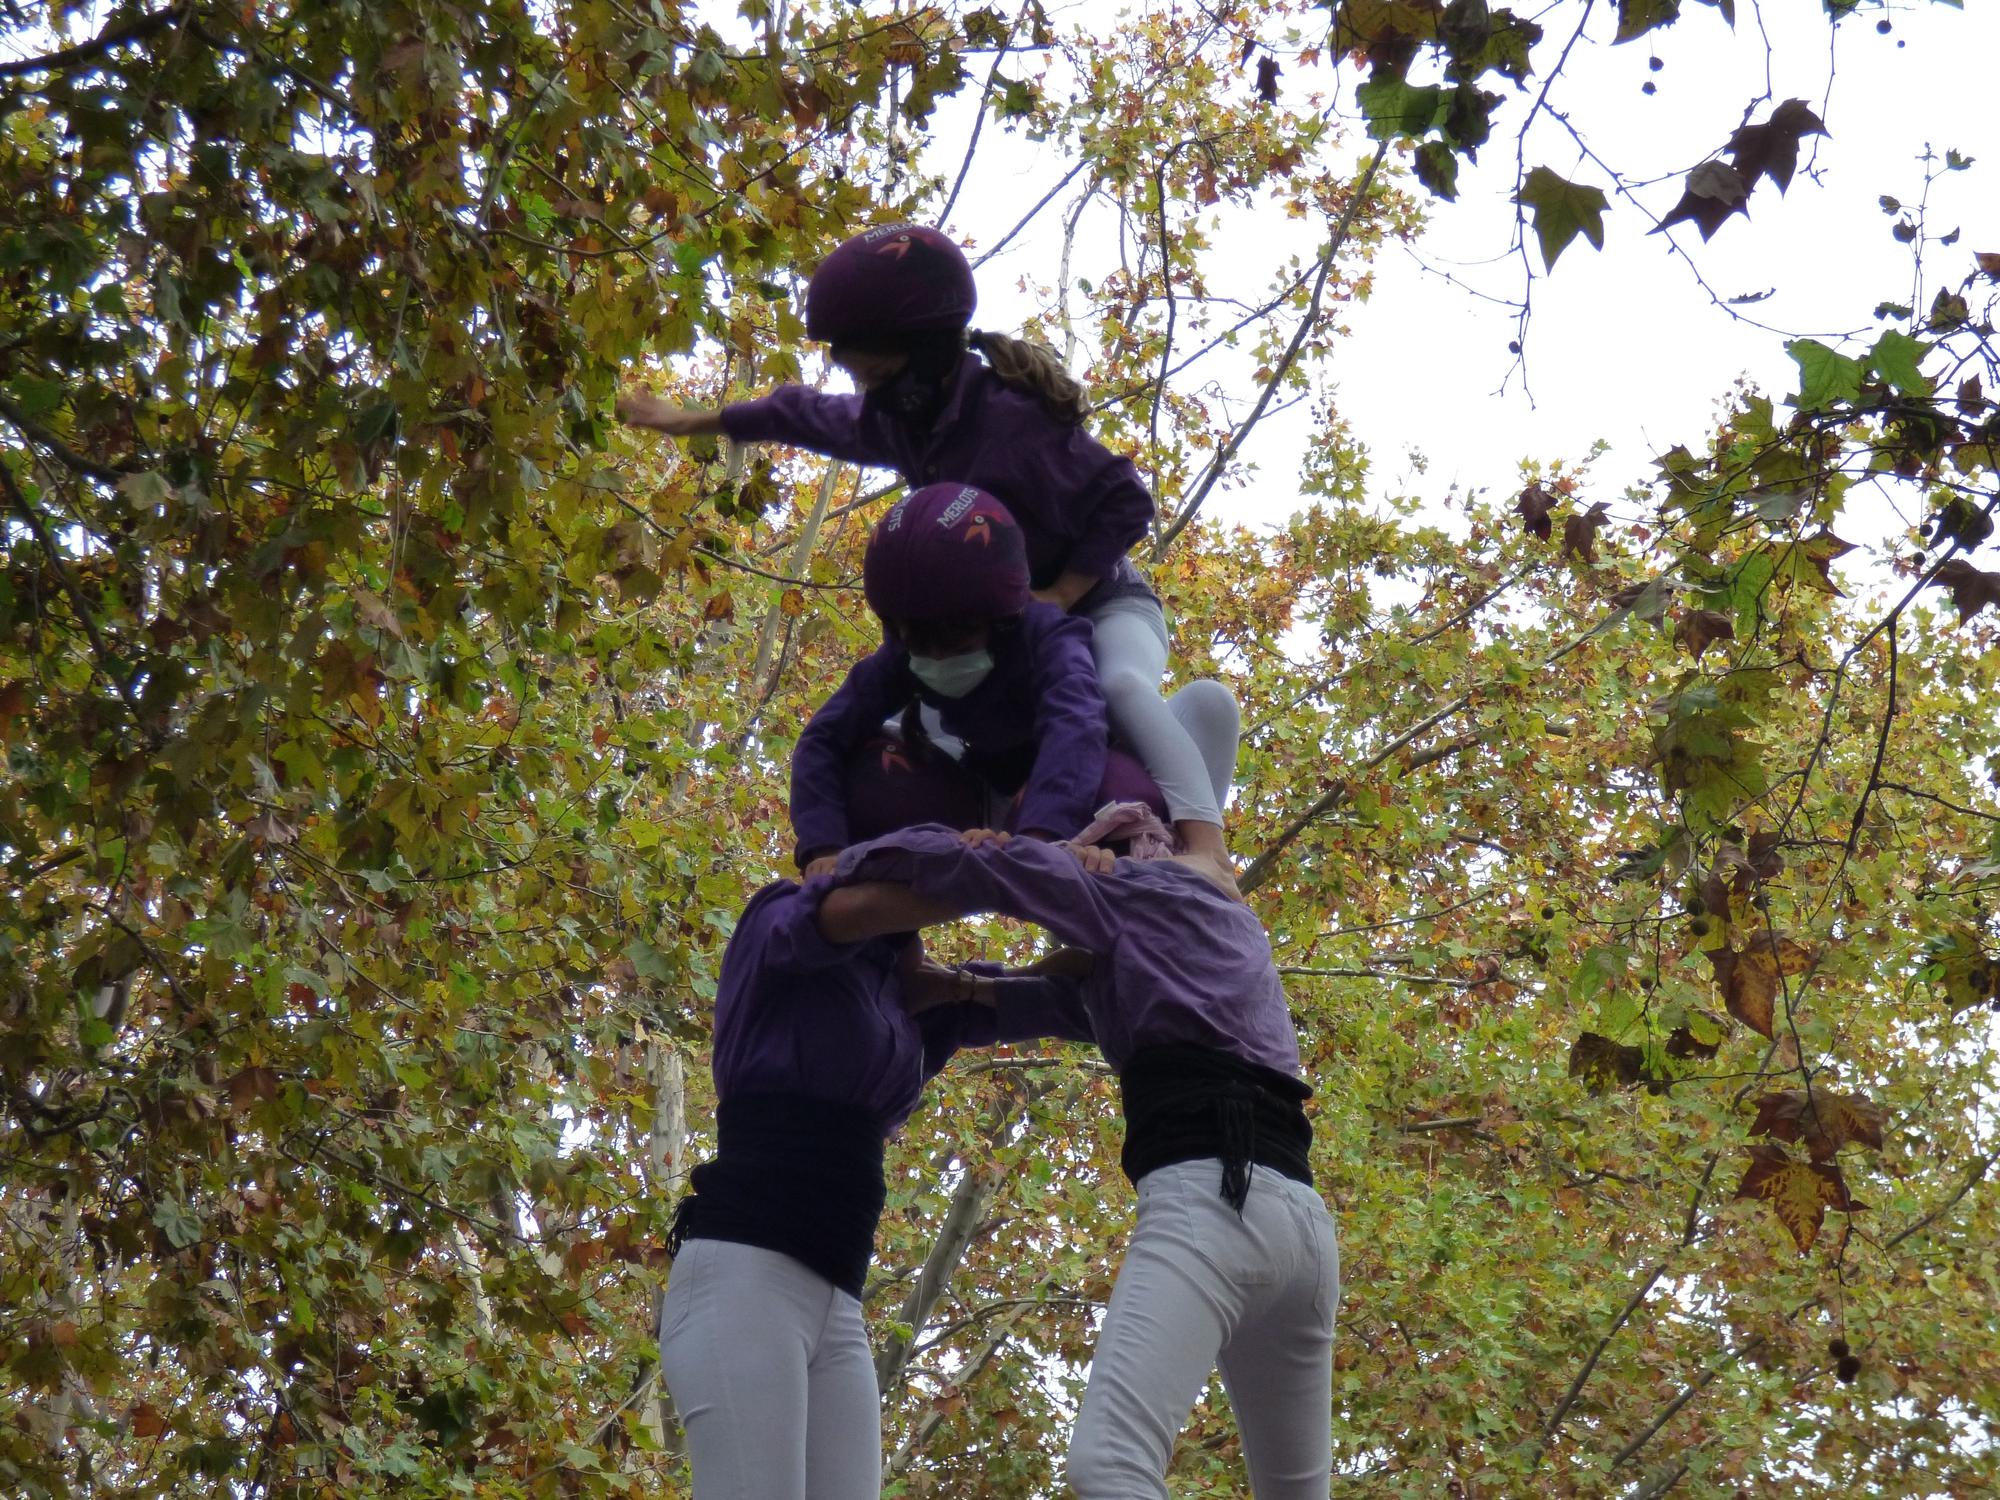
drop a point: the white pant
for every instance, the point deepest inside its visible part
(1201, 1287)
(1187, 742)
(770, 1370)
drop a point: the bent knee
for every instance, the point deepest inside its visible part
(1102, 1467)
(1210, 701)
(1124, 685)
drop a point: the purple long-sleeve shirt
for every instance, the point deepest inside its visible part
(1178, 961)
(1040, 698)
(796, 1014)
(1081, 506)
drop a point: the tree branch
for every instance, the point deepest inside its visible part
(135, 30)
(1220, 463)
(57, 449)
(106, 661)
(1569, 1396)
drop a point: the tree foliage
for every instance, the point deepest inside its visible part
(389, 746)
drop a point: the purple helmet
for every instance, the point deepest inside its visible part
(892, 786)
(949, 551)
(880, 289)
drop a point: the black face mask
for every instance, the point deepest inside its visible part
(916, 394)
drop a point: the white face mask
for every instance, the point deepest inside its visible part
(952, 676)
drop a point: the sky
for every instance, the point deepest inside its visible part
(1625, 346)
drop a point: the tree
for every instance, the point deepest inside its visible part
(389, 744)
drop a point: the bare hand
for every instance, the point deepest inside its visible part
(642, 410)
(1095, 859)
(821, 866)
(927, 984)
(972, 838)
(1064, 963)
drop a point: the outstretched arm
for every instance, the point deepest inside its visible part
(876, 908)
(642, 410)
(1071, 894)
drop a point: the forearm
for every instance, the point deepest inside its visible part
(1070, 587)
(876, 908)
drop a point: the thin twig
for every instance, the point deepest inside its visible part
(1569, 1396)
(1227, 452)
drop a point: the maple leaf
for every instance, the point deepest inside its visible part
(1751, 977)
(1580, 532)
(1972, 589)
(1764, 859)
(1772, 148)
(1700, 1035)
(1823, 1120)
(1988, 262)
(1562, 211)
(1701, 628)
(1971, 396)
(1534, 504)
(1267, 79)
(1715, 190)
(1602, 1063)
(1637, 17)
(1799, 1192)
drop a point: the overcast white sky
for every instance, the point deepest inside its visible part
(1625, 346)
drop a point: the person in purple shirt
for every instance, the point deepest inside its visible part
(1234, 1261)
(1008, 676)
(822, 1049)
(941, 401)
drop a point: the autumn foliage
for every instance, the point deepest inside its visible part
(390, 742)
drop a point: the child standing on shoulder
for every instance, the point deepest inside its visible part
(941, 401)
(1008, 676)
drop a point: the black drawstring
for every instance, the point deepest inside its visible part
(677, 1232)
(1237, 1117)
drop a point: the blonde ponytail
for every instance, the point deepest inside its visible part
(1034, 370)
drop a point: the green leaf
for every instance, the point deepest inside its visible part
(649, 961)
(1826, 376)
(1637, 17)
(1395, 109)
(1562, 211)
(1437, 168)
(1895, 358)
(181, 1224)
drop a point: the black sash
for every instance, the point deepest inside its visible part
(1185, 1102)
(796, 1175)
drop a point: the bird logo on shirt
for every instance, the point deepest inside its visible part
(896, 249)
(893, 759)
(979, 528)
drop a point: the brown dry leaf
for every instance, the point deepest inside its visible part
(1701, 628)
(1751, 978)
(1972, 589)
(1988, 261)
(146, 1421)
(1534, 504)
(1580, 532)
(1764, 859)
(792, 603)
(1602, 1063)
(1799, 1193)
(1823, 1120)
(249, 1085)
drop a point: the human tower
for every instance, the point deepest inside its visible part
(1005, 750)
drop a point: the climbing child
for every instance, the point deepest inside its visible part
(1234, 1260)
(943, 401)
(821, 1051)
(1008, 675)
